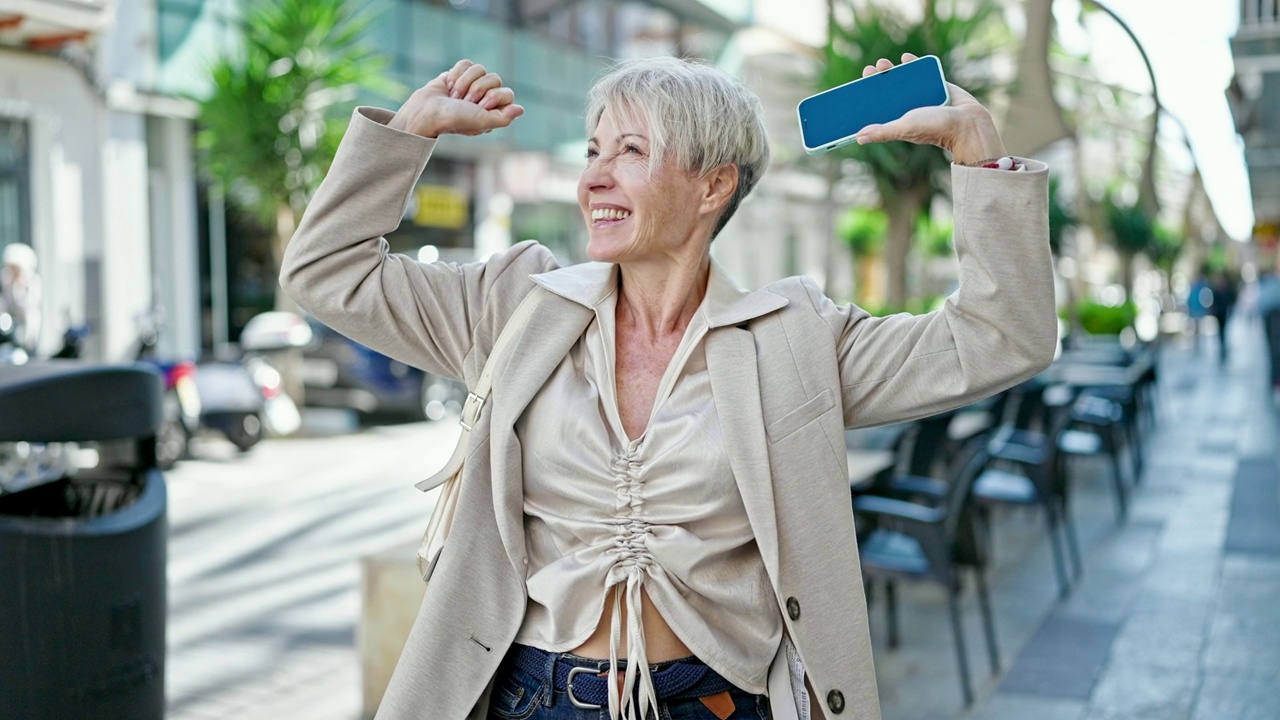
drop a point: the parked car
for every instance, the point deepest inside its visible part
(338, 372)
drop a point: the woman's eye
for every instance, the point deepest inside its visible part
(632, 149)
(592, 153)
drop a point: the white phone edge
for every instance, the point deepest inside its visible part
(836, 144)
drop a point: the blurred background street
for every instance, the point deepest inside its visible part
(264, 570)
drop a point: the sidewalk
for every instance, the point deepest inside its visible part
(1177, 615)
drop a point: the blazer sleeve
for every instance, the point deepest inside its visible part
(338, 268)
(998, 329)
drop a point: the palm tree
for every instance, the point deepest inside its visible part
(907, 177)
(270, 125)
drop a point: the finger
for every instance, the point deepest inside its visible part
(439, 82)
(908, 57)
(497, 97)
(884, 64)
(456, 72)
(870, 134)
(482, 86)
(868, 70)
(505, 115)
(463, 85)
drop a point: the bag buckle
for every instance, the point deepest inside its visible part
(574, 672)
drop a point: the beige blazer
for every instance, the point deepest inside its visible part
(790, 370)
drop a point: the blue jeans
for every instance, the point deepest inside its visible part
(518, 695)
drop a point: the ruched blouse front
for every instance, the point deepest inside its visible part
(660, 513)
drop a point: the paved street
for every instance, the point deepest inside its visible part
(1174, 619)
(264, 567)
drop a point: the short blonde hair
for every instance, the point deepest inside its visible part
(696, 112)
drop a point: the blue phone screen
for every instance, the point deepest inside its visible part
(880, 98)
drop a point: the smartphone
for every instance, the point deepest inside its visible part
(832, 118)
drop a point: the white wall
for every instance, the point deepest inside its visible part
(174, 240)
(126, 252)
(64, 118)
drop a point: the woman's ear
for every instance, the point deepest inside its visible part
(719, 184)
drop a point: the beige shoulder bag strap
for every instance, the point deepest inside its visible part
(451, 475)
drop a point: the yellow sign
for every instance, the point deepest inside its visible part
(1266, 232)
(440, 206)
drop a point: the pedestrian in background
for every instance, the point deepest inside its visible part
(1223, 287)
(1268, 306)
(20, 296)
(654, 515)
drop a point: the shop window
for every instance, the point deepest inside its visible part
(15, 179)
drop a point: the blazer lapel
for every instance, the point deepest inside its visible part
(735, 386)
(554, 327)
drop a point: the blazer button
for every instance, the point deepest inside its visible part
(793, 608)
(835, 701)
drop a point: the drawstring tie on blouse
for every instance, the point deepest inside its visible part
(633, 561)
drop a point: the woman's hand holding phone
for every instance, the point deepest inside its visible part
(963, 127)
(464, 100)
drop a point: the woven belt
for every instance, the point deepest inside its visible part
(587, 683)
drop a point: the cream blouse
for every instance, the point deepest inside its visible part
(660, 512)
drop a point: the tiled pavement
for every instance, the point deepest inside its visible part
(1177, 615)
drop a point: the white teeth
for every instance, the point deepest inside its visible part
(609, 214)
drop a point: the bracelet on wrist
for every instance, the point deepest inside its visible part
(1008, 162)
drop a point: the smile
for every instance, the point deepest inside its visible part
(601, 216)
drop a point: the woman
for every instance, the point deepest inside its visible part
(657, 491)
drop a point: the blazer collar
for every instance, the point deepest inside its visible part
(725, 304)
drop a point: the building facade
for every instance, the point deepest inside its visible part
(94, 174)
(1255, 104)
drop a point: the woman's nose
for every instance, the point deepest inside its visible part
(597, 174)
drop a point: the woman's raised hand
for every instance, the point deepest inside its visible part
(464, 100)
(964, 127)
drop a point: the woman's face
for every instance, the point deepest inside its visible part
(634, 213)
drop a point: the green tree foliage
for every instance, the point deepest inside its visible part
(863, 231)
(1165, 248)
(933, 236)
(270, 126)
(1099, 319)
(965, 36)
(1061, 216)
(1131, 231)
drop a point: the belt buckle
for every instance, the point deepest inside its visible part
(574, 672)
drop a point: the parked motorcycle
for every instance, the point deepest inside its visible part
(266, 338)
(181, 398)
(11, 353)
(231, 403)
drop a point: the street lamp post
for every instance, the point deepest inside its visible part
(1147, 198)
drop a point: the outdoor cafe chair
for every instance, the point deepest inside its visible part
(1025, 469)
(920, 451)
(932, 541)
(1096, 428)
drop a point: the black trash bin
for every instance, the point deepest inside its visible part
(82, 556)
